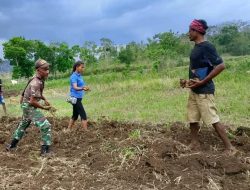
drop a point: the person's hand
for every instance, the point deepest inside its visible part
(50, 109)
(46, 107)
(86, 88)
(194, 83)
(183, 83)
(46, 103)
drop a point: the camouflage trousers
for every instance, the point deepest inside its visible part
(31, 114)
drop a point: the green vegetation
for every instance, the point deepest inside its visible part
(127, 153)
(152, 96)
(135, 134)
(138, 81)
(232, 38)
(162, 51)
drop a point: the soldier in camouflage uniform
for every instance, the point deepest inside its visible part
(30, 98)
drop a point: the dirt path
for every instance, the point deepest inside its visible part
(113, 155)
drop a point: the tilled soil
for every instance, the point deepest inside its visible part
(116, 155)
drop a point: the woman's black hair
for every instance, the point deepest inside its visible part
(77, 64)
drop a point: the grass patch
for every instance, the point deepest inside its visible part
(135, 134)
(152, 97)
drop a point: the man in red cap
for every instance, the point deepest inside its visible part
(205, 64)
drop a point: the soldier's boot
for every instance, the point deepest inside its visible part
(45, 150)
(12, 145)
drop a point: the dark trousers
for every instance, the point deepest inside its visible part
(78, 109)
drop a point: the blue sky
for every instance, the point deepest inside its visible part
(123, 21)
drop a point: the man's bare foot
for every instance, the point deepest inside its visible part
(230, 152)
(85, 128)
(66, 130)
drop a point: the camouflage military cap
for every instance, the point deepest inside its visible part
(41, 63)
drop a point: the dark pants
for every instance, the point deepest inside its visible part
(78, 109)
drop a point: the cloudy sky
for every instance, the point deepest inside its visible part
(75, 21)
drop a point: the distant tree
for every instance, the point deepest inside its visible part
(46, 52)
(136, 49)
(163, 44)
(88, 52)
(90, 45)
(166, 46)
(64, 57)
(227, 35)
(107, 49)
(76, 51)
(126, 56)
(85, 53)
(20, 53)
(232, 38)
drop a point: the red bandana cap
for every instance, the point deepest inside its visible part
(197, 26)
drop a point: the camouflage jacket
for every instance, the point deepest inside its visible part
(34, 88)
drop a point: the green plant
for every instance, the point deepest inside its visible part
(135, 134)
(128, 152)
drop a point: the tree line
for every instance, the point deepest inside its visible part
(160, 50)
